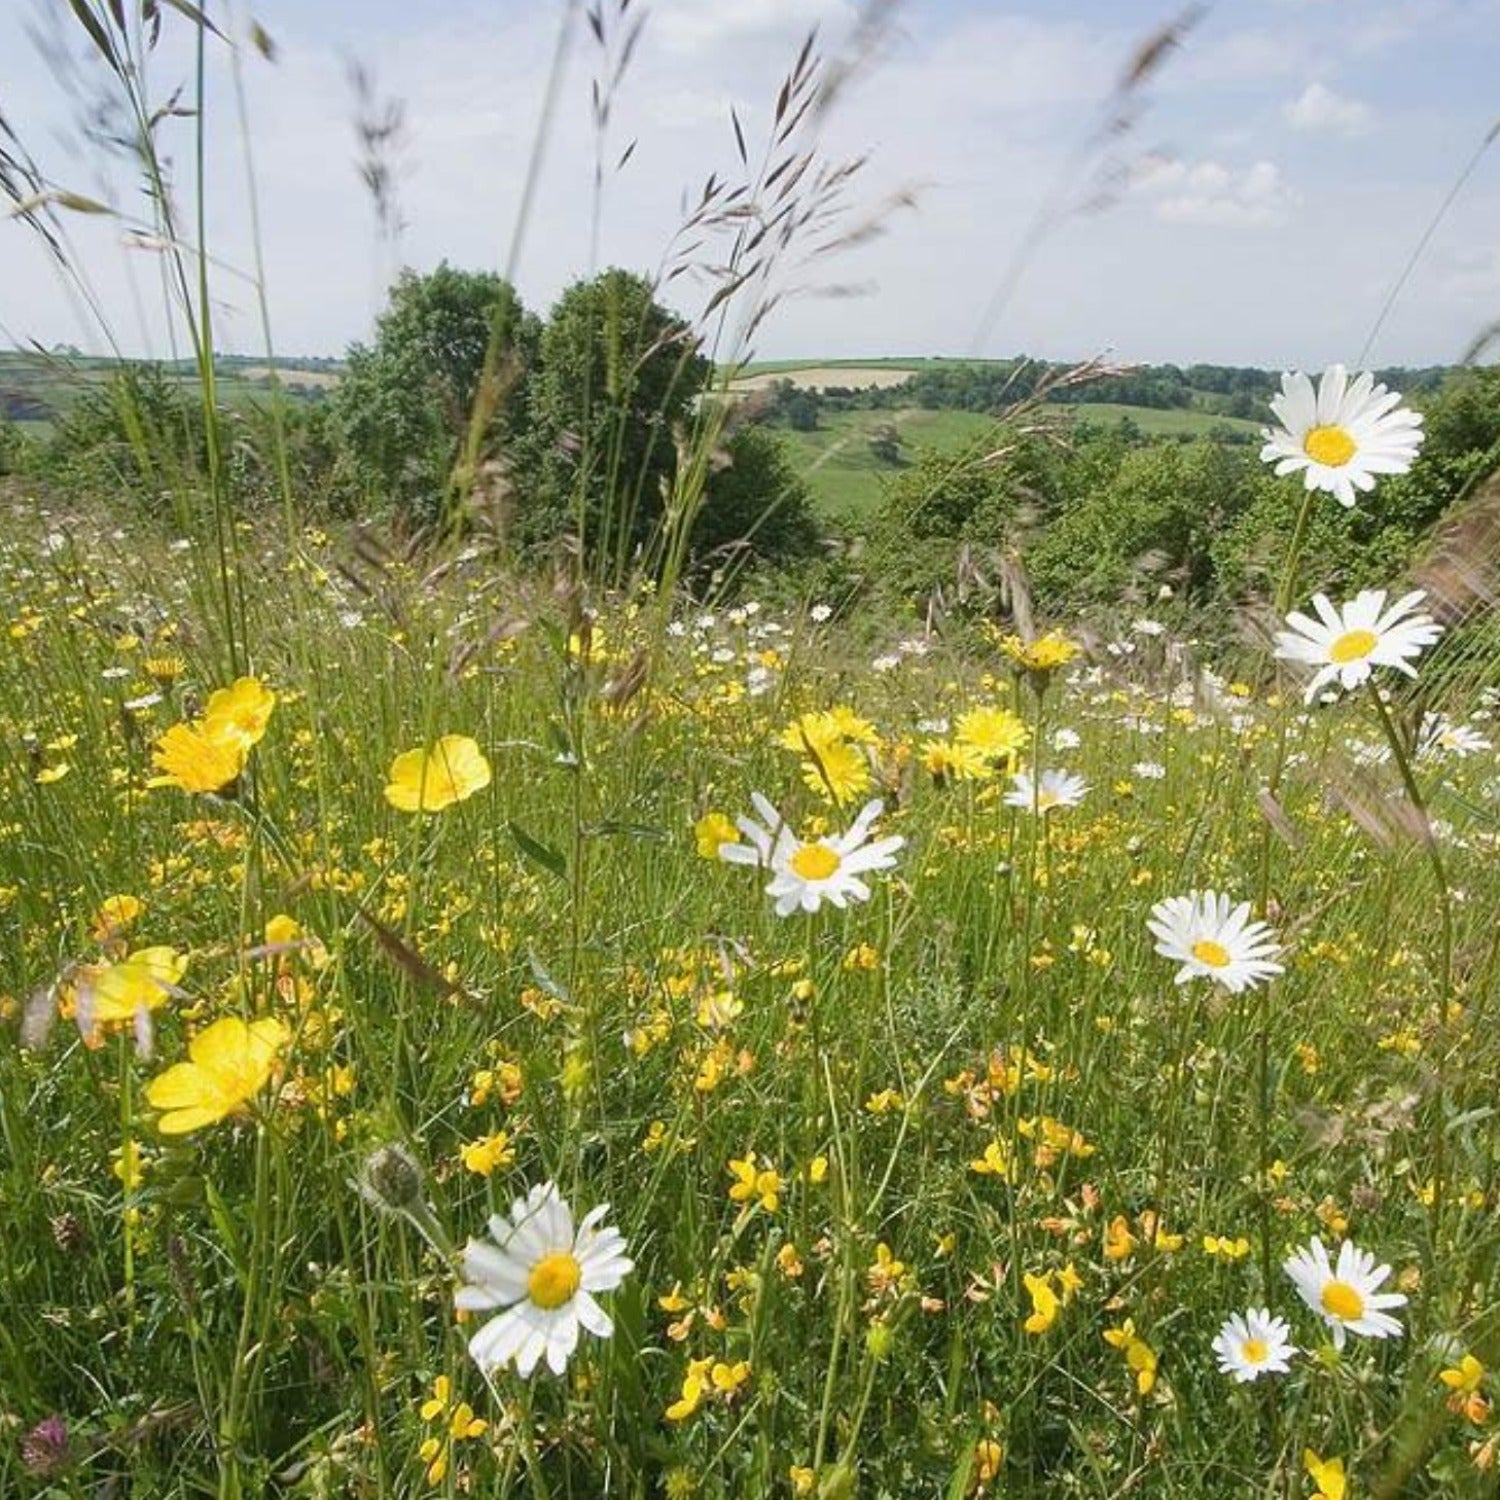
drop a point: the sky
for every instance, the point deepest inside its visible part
(1277, 174)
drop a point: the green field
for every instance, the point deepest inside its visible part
(846, 478)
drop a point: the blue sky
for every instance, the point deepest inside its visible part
(1279, 174)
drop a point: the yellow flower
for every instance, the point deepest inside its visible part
(238, 714)
(1119, 1242)
(804, 1480)
(713, 831)
(231, 1061)
(727, 1379)
(1140, 1357)
(1044, 1302)
(193, 760)
(839, 770)
(1327, 1474)
(994, 1163)
(752, 1182)
(885, 1274)
(118, 992)
(164, 669)
(988, 1456)
(946, 760)
(1464, 1378)
(1045, 654)
(828, 728)
(694, 1388)
(430, 780)
(1230, 1249)
(128, 1165)
(788, 1262)
(489, 1154)
(115, 914)
(995, 733)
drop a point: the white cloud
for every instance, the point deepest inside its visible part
(1210, 193)
(1320, 108)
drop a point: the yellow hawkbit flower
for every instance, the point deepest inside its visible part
(1043, 655)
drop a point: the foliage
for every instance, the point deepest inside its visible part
(755, 507)
(617, 386)
(406, 402)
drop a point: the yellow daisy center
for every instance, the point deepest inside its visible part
(1254, 1351)
(1046, 801)
(1353, 645)
(1215, 955)
(815, 861)
(1329, 445)
(554, 1279)
(1340, 1300)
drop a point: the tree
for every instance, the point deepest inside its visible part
(885, 443)
(756, 505)
(405, 403)
(619, 378)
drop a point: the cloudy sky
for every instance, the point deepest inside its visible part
(1276, 179)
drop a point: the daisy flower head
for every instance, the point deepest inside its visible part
(759, 837)
(1341, 435)
(1345, 1295)
(1347, 643)
(806, 873)
(1056, 789)
(1252, 1344)
(544, 1273)
(1213, 940)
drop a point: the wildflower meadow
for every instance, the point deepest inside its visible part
(471, 1026)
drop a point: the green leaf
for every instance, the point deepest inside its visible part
(539, 853)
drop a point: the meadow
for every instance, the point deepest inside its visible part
(944, 1192)
(527, 967)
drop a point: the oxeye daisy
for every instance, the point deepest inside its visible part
(1213, 940)
(1252, 1344)
(1345, 1295)
(806, 873)
(760, 837)
(1057, 789)
(1347, 643)
(544, 1274)
(1342, 435)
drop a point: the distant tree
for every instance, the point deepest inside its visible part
(405, 402)
(756, 506)
(618, 380)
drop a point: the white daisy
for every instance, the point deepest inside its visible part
(1213, 940)
(760, 837)
(1345, 1296)
(544, 1275)
(809, 872)
(1348, 643)
(1342, 435)
(1057, 789)
(1440, 736)
(1253, 1344)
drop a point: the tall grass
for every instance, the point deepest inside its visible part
(983, 1074)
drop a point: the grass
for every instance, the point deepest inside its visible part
(547, 981)
(945, 1191)
(843, 474)
(845, 477)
